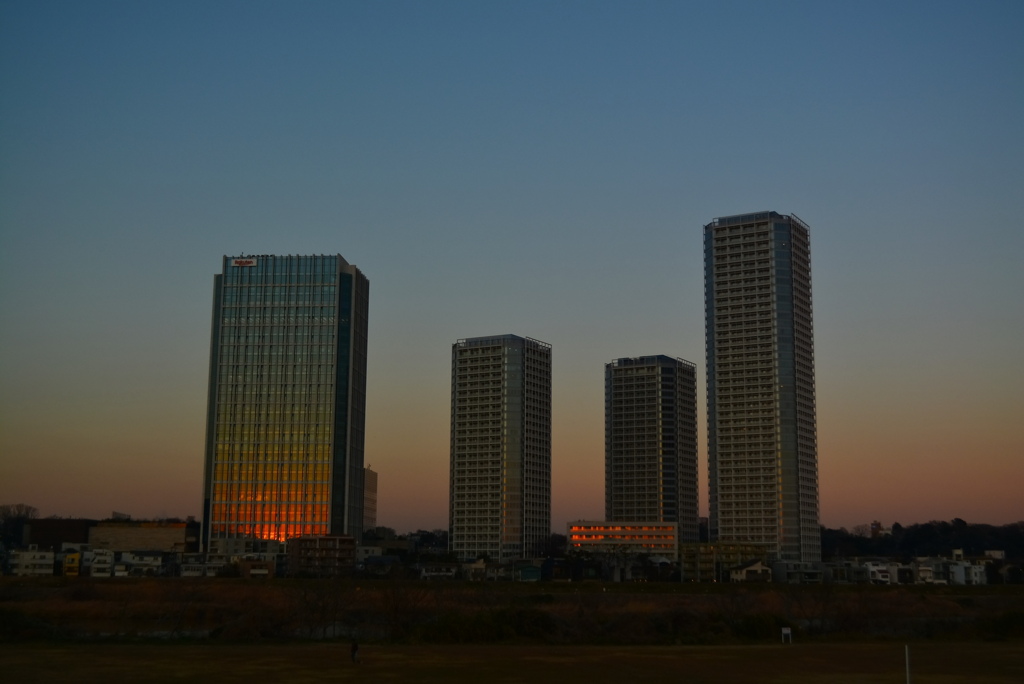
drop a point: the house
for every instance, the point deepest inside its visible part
(32, 562)
(102, 563)
(752, 571)
(964, 572)
(878, 572)
(439, 571)
(257, 567)
(798, 572)
(141, 563)
(845, 572)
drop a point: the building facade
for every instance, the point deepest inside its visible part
(287, 399)
(369, 498)
(762, 441)
(32, 562)
(651, 442)
(500, 476)
(623, 537)
(711, 562)
(321, 556)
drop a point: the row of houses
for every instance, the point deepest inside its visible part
(925, 570)
(303, 556)
(74, 562)
(632, 550)
(929, 570)
(601, 550)
(337, 556)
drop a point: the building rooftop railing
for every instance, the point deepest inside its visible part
(648, 360)
(493, 339)
(739, 219)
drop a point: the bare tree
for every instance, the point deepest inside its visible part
(18, 511)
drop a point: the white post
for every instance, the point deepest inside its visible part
(906, 654)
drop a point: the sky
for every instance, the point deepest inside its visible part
(536, 168)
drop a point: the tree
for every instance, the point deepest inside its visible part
(12, 522)
(17, 511)
(554, 546)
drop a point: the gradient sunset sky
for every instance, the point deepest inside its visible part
(535, 168)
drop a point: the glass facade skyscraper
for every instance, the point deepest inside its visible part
(650, 442)
(762, 434)
(500, 477)
(287, 399)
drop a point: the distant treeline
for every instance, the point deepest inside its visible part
(935, 538)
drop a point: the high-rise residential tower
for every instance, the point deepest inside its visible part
(650, 442)
(500, 478)
(762, 443)
(287, 399)
(369, 498)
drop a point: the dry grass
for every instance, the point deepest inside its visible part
(408, 612)
(950, 663)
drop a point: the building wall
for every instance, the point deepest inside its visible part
(500, 470)
(50, 533)
(287, 398)
(762, 440)
(651, 442)
(150, 536)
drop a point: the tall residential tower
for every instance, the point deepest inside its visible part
(762, 443)
(650, 442)
(287, 399)
(500, 478)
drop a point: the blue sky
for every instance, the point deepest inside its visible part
(542, 169)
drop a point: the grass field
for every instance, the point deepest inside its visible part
(931, 663)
